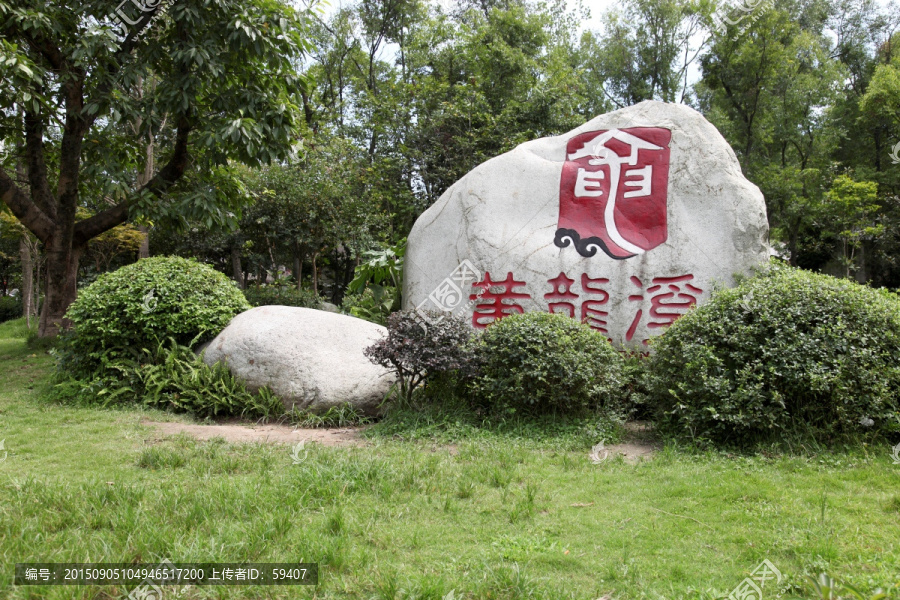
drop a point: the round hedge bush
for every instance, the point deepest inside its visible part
(538, 363)
(785, 352)
(143, 304)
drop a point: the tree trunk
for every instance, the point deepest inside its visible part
(27, 291)
(315, 274)
(861, 275)
(62, 277)
(236, 271)
(37, 285)
(299, 254)
(144, 249)
(144, 178)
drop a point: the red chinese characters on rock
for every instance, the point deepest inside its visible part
(592, 311)
(670, 298)
(561, 300)
(563, 294)
(613, 192)
(491, 306)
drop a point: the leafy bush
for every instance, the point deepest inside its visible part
(10, 308)
(786, 351)
(370, 306)
(417, 349)
(281, 295)
(634, 390)
(538, 363)
(375, 290)
(139, 305)
(172, 377)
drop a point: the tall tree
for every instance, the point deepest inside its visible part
(226, 86)
(768, 84)
(647, 48)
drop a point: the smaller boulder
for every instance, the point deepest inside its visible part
(311, 359)
(329, 307)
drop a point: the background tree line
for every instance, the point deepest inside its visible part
(397, 99)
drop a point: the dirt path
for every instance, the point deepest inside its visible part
(631, 452)
(273, 434)
(636, 448)
(638, 444)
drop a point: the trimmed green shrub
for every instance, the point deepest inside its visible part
(136, 307)
(785, 352)
(281, 295)
(10, 308)
(538, 363)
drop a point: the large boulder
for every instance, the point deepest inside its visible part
(309, 358)
(625, 223)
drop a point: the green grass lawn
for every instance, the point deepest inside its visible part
(493, 516)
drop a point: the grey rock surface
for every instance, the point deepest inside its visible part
(624, 222)
(329, 307)
(311, 359)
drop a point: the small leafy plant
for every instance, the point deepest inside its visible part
(343, 415)
(417, 348)
(375, 290)
(10, 308)
(825, 587)
(170, 376)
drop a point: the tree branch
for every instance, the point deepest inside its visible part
(158, 185)
(70, 148)
(24, 209)
(118, 60)
(37, 167)
(44, 47)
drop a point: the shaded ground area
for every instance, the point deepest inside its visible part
(275, 434)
